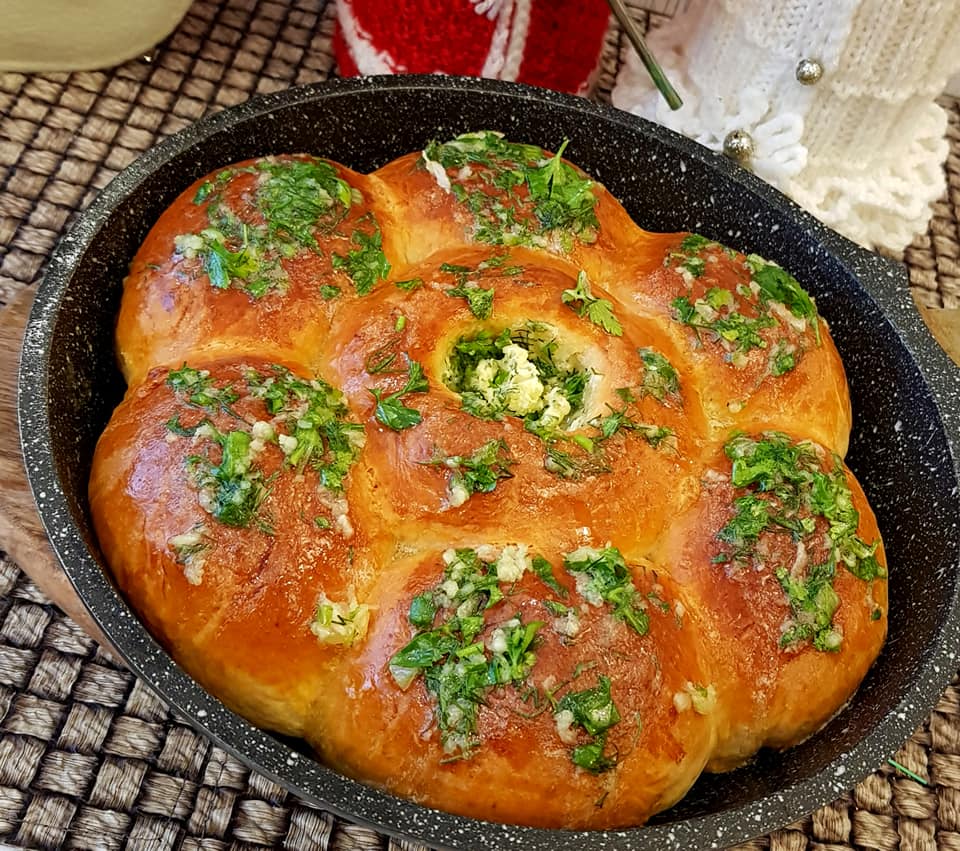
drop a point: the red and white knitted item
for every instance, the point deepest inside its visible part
(556, 44)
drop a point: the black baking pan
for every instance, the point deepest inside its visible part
(905, 395)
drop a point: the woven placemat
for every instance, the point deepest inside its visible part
(89, 757)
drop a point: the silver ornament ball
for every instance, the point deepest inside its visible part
(738, 145)
(809, 71)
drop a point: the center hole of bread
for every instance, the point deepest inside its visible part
(524, 372)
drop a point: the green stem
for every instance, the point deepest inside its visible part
(649, 60)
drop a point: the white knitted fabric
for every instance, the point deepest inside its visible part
(863, 149)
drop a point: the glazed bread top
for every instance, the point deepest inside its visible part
(504, 504)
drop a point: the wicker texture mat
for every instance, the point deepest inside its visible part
(89, 758)
(934, 257)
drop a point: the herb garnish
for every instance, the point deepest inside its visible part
(390, 410)
(660, 379)
(782, 359)
(688, 256)
(578, 463)
(300, 197)
(777, 284)
(366, 264)
(478, 472)
(592, 709)
(518, 194)
(458, 669)
(233, 489)
(618, 420)
(328, 292)
(603, 576)
(196, 388)
(383, 358)
(544, 570)
(721, 311)
(479, 299)
(812, 604)
(716, 312)
(311, 412)
(787, 491)
(598, 310)
(315, 416)
(296, 198)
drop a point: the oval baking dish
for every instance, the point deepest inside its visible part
(903, 446)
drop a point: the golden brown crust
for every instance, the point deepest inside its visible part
(172, 311)
(738, 383)
(522, 773)
(577, 394)
(617, 497)
(772, 694)
(242, 625)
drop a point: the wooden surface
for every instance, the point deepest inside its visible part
(21, 534)
(944, 324)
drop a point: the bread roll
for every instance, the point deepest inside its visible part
(502, 503)
(249, 259)
(507, 757)
(788, 597)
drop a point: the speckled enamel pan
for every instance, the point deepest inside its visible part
(905, 396)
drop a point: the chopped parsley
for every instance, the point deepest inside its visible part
(315, 415)
(688, 257)
(517, 194)
(174, 426)
(478, 472)
(196, 388)
(232, 489)
(245, 267)
(544, 570)
(390, 410)
(813, 603)
(296, 198)
(409, 285)
(777, 284)
(479, 299)
(722, 311)
(203, 192)
(328, 292)
(458, 668)
(517, 373)
(660, 379)
(782, 359)
(693, 243)
(603, 577)
(592, 709)
(786, 492)
(598, 310)
(715, 312)
(366, 264)
(307, 420)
